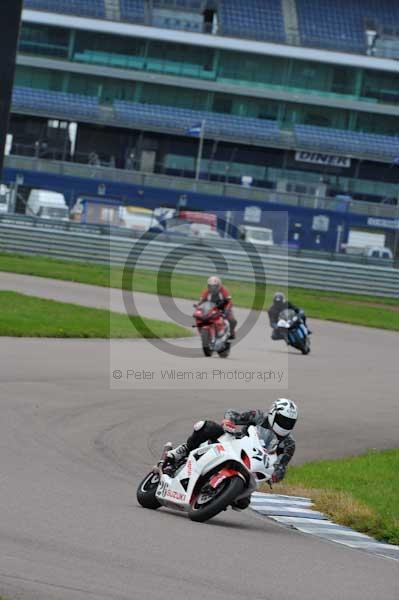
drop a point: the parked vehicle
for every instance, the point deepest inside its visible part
(213, 328)
(293, 330)
(4, 199)
(47, 205)
(202, 231)
(379, 252)
(259, 236)
(367, 243)
(213, 477)
(139, 219)
(369, 251)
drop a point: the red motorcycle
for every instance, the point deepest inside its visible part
(213, 328)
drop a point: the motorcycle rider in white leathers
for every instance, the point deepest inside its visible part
(278, 423)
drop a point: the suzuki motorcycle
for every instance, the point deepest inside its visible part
(292, 328)
(213, 328)
(213, 477)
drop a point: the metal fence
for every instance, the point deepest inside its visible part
(104, 229)
(194, 257)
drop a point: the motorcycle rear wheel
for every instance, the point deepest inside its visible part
(146, 491)
(233, 487)
(225, 353)
(206, 342)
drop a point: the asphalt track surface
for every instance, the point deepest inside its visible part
(73, 451)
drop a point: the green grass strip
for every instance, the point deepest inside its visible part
(28, 316)
(361, 492)
(356, 309)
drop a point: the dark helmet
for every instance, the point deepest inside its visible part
(279, 298)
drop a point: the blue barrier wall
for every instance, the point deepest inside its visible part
(300, 230)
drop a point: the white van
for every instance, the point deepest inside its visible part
(47, 205)
(259, 236)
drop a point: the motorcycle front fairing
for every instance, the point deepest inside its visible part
(229, 456)
(210, 317)
(283, 324)
(293, 329)
(179, 491)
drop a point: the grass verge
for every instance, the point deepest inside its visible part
(361, 492)
(355, 309)
(28, 316)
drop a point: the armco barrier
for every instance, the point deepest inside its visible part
(277, 268)
(222, 243)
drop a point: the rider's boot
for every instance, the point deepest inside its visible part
(174, 458)
(178, 453)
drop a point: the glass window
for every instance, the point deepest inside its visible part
(372, 123)
(343, 80)
(173, 96)
(244, 67)
(80, 84)
(109, 44)
(381, 86)
(44, 40)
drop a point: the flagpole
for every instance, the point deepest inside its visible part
(200, 149)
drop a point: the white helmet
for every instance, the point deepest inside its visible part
(214, 284)
(282, 416)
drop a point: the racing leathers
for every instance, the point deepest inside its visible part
(223, 300)
(210, 431)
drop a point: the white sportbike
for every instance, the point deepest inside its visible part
(213, 477)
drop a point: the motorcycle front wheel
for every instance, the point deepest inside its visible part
(146, 491)
(305, 349)
(206, 342)
(219, 499)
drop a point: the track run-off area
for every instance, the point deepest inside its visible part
(75, 444)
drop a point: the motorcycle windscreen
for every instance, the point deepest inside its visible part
(207, 307)
(287, 314)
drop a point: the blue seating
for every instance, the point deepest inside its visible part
(341, 24)
(84, 8)
(339, 141)
(132, 10)
(331, 24)
(194, 6)
(180, 120)
(257, 19)
(54, 103)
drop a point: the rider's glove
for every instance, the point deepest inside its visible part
(278, 474)
(229, 426)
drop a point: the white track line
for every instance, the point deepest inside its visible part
(315, 523)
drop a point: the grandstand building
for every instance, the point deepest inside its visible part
(294, 96)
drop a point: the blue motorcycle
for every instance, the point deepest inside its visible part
(291, 327)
